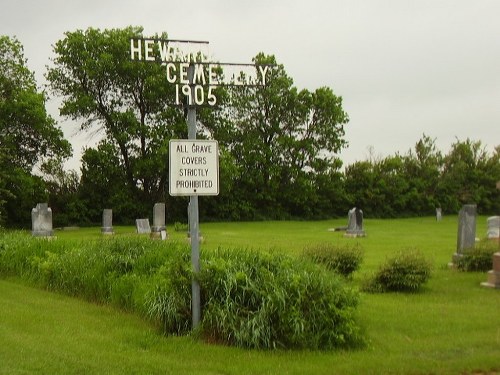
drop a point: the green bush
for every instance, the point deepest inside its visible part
(478, 258)
(405, 272)
(258, 300)
(343, 259)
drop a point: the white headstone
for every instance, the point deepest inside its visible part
(107, 221)
(158, 217)
(142, 226)
(41, 220)
(493, 227)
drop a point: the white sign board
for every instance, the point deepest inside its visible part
(194, 167)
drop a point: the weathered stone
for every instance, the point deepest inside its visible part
(355, 223)
(493, 280)
(493, 230)
(142, 226)
(41, 220)
(107, 221)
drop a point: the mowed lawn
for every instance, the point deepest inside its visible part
(451, 327)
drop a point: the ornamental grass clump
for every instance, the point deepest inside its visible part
(479, 258)
(407, 271)
(342, 259)
(259, 300)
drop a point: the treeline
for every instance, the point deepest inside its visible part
(413, 184)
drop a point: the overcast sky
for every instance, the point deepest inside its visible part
(404, 68)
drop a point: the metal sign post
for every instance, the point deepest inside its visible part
(194, 220)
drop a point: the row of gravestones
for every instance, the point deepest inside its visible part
(41, 221)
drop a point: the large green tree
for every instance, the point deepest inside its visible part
(28, 135)
(129, 102)
(282, 142)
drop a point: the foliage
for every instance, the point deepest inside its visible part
(248, 299)
(180, 227)
(28, 135)
(405, 272)
(283, 143)
(479, 258)
(343, 259)
(261, 300)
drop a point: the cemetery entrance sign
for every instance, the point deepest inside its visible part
(194, 168)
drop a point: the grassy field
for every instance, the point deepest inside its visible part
(451, 327)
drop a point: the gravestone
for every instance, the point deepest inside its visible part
(158, 220)
(466, 235)
(439, 214)
(493, 231)
(142, 226)
(355, 223)
(494, 274)
(107, 221)
(41, 220)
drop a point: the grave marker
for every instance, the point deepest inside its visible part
(107, 221)
(41, 220)
(142, 226)
(466, 234)
(355, 223)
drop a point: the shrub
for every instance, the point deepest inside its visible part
(341, 259)
(405, 272)
(259, 300)
(478, 258)
(180, 227)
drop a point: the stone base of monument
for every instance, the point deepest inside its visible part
(42, 233)
(494, 274)
(354, 233)
(454, 260)
(107, 230)
(158, 235)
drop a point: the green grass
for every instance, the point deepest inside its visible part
(451, 327)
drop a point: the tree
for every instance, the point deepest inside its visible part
(130, 102)
(422, 171)
(281, 141)
(469, 176)
(28, 135)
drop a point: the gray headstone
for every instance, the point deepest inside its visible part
(493, 230)
(142, 226)
(439, 214)
(466, 236)
(158, 217)
(355, 223)
(107, 221)
(41, 220)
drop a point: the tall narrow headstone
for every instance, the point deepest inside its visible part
(466, 235)
(355, 223)
(41, 220)
(439, 214)
(107, 221)
(493, 231)
(158, 219)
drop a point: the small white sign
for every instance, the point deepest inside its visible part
(194, 167)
